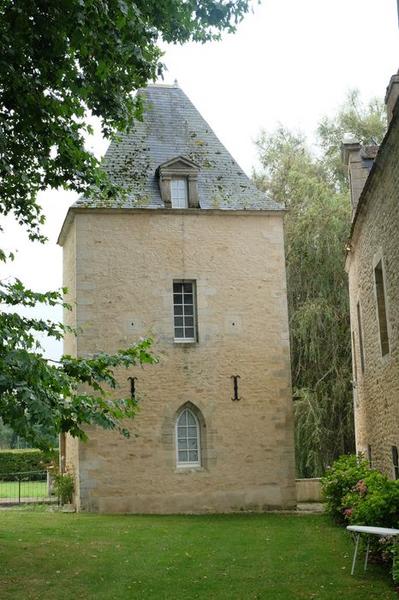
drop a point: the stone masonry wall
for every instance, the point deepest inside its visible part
(376, 236)
(126, 262)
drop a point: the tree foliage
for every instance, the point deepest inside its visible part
(41, 398)
(312, 186)
(63, 59)
(61, 62)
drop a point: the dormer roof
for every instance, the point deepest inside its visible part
(173, 131)
(179, 163)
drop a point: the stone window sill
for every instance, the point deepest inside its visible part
(185, 470)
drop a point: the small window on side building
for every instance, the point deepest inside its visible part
(369, 456)
(381, 308)
(360, 333)
(354, 360)
(395, 462)
(184, 311)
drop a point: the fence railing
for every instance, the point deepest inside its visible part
(24, 487)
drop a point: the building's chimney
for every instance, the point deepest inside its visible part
(392, 95)
(359, 160)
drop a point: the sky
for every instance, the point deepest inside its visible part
(289, 63)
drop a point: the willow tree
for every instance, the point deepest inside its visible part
(312, 185)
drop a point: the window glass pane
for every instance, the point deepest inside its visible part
(178, 192)
(187, 438)
(183, 310)
(190, 418)
(183, 421)
(381, 308)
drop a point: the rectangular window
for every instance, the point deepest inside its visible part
(395, 462)
(360, 333)
(178, 192)
(354, 357)
(369, 456)
(184, 311)
(381, 308)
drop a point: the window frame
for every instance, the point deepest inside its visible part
(188, 464)
(360, 336)
(395, 462)
(354, 358)
(382, 309)
(370, 456)
(184, 339)
(186, 191)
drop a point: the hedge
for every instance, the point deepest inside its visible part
(17, 461)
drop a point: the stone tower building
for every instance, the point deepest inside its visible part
(373, 268)
(194, 258)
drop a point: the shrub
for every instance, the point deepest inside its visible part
(374, 500)
(395, 563)
(17, 461)
(339, 480)
(64, 486)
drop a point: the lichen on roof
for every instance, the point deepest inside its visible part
(172, 127)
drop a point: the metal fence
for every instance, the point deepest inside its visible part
(26, 487)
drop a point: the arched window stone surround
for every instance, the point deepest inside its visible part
(207, 435)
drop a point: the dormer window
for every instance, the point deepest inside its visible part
(178, 192)
(178, 183)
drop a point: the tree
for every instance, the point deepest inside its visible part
(61, 62)
(313, 187)
(64, 59)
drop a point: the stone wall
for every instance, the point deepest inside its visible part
(308, 490)
(126, 262)
(376, 236)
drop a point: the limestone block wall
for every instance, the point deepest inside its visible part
(308, 490)
(375, 237)
(125, 265)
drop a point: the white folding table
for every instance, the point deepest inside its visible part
(368, 531)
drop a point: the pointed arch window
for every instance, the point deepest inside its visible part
(188, 449)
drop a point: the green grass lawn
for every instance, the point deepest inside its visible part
(54, 556)
(29, 489)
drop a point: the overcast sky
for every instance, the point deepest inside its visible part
(290, 62)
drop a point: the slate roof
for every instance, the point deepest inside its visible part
(172, 127)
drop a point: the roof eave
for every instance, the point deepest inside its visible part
(186, 211)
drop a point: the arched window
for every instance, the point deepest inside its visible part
(188, 439)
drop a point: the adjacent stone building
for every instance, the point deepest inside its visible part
(195, 259)
(373, 269)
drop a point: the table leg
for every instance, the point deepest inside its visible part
(367, 553)
(355, 554)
